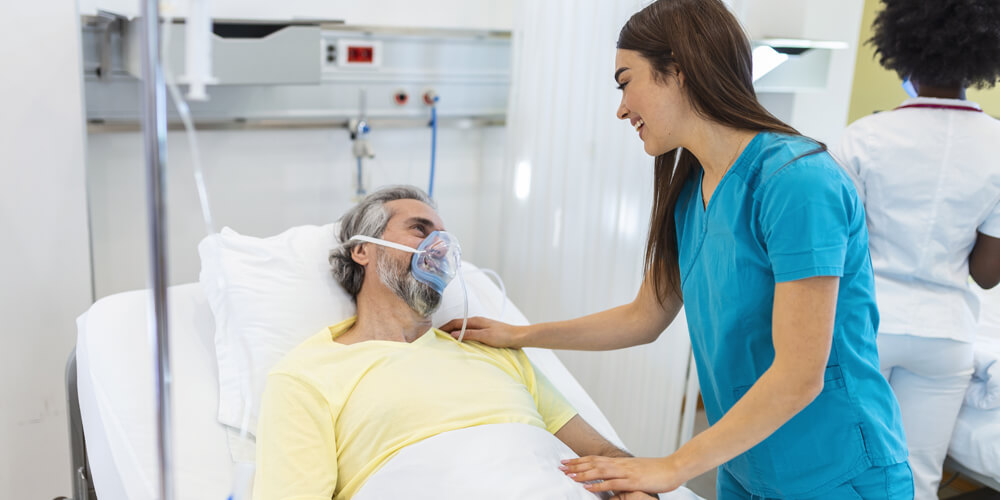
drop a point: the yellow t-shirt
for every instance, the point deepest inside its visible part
(333, 414)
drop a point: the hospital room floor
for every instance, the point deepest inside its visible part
(961, 489)
(958, 489)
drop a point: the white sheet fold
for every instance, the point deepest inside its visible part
(984, 389)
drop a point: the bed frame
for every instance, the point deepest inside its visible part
(83, 484)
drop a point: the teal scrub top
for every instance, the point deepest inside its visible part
(780, 214)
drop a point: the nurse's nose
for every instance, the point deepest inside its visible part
(622, 112)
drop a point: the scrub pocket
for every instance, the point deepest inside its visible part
(820, 447)
(893, 482)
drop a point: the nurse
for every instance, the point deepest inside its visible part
(929, 177)
(761, 236)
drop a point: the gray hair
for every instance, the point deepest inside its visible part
(368, 218)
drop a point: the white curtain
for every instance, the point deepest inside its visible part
(576, 201)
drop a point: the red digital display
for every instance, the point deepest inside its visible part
(357, 54)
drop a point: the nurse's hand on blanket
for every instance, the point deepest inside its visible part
(633, 495)
(624, 474)
(487, 331)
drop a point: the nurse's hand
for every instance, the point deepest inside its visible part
(624, 474)
(485, 330)
(634, 495)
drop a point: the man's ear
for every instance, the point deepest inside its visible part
(361, 255)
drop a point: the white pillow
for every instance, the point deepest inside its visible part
(270, 294)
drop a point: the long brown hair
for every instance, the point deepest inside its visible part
(704, 40)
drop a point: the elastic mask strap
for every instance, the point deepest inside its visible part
(384, 243)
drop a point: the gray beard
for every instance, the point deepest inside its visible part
(423, 299)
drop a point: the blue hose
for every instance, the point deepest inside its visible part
(434, 133)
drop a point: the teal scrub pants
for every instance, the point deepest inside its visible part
(894, 482)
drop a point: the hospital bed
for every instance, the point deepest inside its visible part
(974, 450)
(112, 416)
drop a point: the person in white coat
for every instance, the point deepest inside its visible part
(929, 174)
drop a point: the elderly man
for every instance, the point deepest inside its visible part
(349, 399)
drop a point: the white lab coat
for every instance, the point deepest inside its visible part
(930, 178)
(929, 174)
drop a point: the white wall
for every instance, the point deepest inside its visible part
(818, 114)
(261, 182)
(574, 245)
(823, 115)
(44, 256)
(43, 204)
(407, 13)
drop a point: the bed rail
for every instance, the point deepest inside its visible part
(83, 485)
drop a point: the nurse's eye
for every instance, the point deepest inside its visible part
(621, 86)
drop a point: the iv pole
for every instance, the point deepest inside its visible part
(154, 131)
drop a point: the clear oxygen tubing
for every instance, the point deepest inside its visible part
(434, 133)
(503, 290)
(503, 293)
(465, 310)
(240, 473)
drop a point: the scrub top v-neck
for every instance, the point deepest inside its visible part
(781, 214)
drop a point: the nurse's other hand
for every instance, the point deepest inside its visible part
(485, 330)
(624, 474)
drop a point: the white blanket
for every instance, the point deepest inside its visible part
(984, 389)
(486, 462)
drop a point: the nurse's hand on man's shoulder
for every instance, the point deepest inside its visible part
(485, 330)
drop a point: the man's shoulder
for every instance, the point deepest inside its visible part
(477, 346)
(504, 357)
(304, 357)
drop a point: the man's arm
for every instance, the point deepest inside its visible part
(585, 440)
(296, 447)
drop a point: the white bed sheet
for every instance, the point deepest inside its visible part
(463, 464)
(975, 443)
(115, 380)
(117, 402)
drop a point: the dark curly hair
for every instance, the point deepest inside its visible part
(941, 43)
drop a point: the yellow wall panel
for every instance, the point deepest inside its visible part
(878, 89)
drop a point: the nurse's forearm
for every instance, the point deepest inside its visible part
(776, 397)
(802, 331)
(638, 322)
